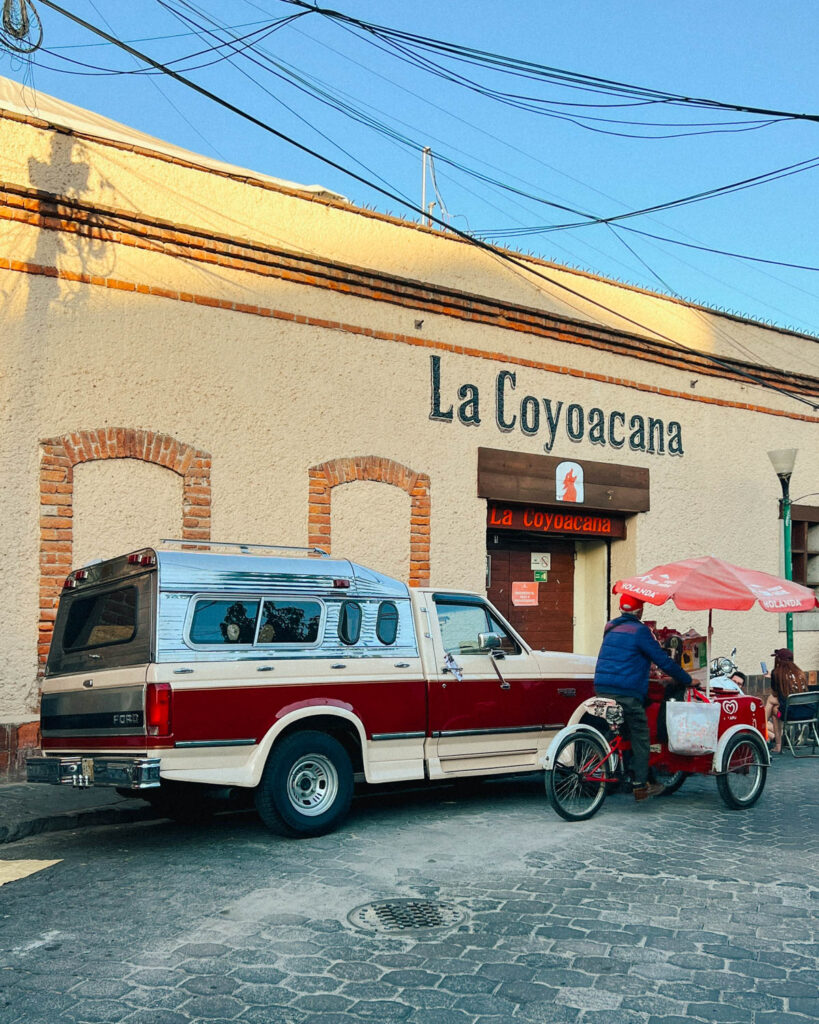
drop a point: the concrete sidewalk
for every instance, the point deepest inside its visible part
(29, 808)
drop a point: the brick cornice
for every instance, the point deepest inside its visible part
(389, 336)
(64, 214)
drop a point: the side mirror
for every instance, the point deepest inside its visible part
(489, 641)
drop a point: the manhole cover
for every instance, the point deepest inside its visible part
(405, 915)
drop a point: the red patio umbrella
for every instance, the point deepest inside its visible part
(702, 584)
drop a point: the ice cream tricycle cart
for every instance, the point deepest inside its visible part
(720, 732)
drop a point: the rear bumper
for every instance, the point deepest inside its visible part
(84, 772)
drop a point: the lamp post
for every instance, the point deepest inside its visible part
(782, 461)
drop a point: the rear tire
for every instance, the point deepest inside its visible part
(744, 771)
(306, 787)
(671, 780)
(575, 794)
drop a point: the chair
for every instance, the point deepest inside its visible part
(800, 728)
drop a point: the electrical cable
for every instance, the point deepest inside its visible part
(202, 29)
(507, 257)
(532, 70)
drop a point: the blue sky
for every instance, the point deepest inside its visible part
(748, 53)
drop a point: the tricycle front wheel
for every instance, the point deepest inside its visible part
(576, 784)
(744, 771)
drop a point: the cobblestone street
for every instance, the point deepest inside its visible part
(674, 910)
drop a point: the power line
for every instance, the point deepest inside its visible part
(486, 247)
(534, 71)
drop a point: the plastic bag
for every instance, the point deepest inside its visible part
(693, 727)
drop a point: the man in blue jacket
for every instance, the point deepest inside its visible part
(623, 664)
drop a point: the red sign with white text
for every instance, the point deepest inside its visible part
(524, 593)
(545, 520)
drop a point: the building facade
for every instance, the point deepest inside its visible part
(193, 350)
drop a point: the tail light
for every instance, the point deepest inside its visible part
(158, 701)
(142, 558)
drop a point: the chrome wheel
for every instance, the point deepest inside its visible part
(312, 784)
(306, 786)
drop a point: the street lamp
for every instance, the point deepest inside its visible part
(782, 461)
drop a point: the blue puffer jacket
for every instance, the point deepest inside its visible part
(625, 659)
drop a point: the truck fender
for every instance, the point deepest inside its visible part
(547, 761)
(301, 712)
(722, 743)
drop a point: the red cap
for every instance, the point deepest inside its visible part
(630, 603)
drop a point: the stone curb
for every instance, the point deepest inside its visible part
(74, 820)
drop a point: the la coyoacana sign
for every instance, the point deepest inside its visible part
(510, 517)
(549, 417)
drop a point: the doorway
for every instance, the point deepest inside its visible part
(549, 625)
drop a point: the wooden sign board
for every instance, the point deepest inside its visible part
(530, 479)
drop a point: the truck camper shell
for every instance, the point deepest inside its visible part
(153, 595)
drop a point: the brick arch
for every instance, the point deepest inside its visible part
(59, 456)
(327, 475)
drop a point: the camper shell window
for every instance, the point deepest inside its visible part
(101, 620)
(254, 622)
(290, 623)
(349, 622)
(386, 624)
(224, 622)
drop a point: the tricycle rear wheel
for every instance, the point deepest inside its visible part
(744, 770)
(576, 783)
(672, 781)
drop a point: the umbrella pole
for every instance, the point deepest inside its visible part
(708, 656)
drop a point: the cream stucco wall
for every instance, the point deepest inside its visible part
(269, 398)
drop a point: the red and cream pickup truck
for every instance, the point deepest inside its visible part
(177, 670)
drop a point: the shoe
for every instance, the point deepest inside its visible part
(647, 790)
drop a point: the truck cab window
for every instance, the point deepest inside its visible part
(461, 625)
(224, 622)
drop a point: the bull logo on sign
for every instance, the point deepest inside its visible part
(569, 482)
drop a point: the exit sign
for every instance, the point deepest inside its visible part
(541, 576)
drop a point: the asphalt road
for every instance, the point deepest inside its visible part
(674, 910)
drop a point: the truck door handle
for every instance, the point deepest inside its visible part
(339, 665)
(505, 686)
(182, 671)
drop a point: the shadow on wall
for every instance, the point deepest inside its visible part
(63, 180)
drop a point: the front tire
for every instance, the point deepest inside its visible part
(306, 787)
(576, 784)
(744, 771)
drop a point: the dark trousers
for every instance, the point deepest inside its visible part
(636, 731)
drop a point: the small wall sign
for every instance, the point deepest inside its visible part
(569, 482)
(541, 560)
(541, 576)
(524, 593)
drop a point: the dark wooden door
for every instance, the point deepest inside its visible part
(550, 624)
